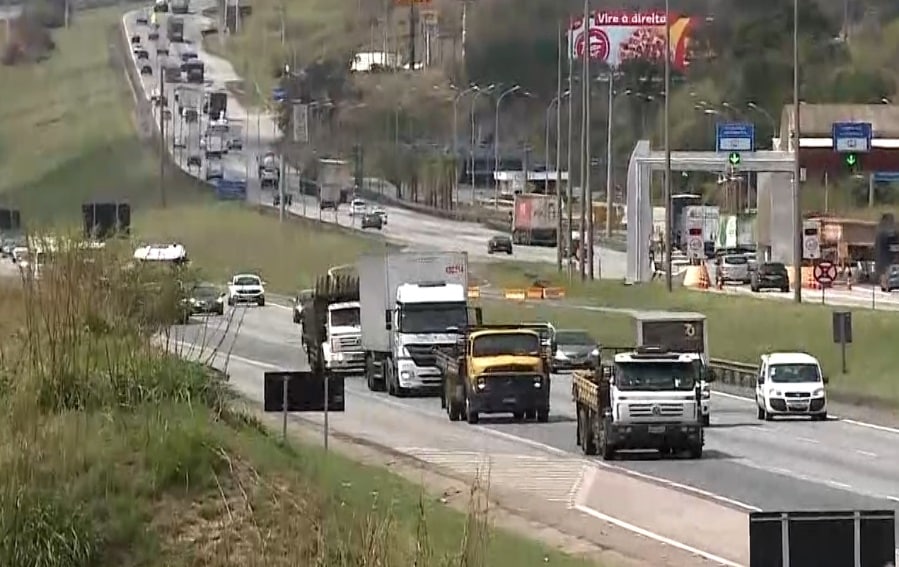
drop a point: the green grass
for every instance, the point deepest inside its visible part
(740, 328)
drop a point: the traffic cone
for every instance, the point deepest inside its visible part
(808, 278)
(697, 276)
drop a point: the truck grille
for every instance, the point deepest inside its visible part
(664, 410)
(347, 343)
(422, 355)
(796, 395)
(510, 368)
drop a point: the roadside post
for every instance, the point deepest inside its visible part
(842, 333)
(288, 391)
(825, 273)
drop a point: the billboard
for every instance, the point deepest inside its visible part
(619, 36)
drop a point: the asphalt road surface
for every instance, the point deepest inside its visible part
(749, 464)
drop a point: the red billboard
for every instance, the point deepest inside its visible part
(619, 36)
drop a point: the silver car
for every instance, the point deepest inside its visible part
(734, 268)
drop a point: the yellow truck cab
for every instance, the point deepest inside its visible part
(496, 369)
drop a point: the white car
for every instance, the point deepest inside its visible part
(246, 288)
(790, 383)
(357, 208)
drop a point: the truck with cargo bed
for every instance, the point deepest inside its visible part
(335, 178)
(331, 332)
(496, 369)
(174, 29)
(535, 220)
(411, 302)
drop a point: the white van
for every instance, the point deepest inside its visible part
(790, 383)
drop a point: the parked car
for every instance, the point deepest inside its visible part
(499, 243)
(770, 275)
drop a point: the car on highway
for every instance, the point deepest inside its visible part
(381, 213)
(770, 275)
(575, 349)
(733, 268)
(153, 35)
(357, 207)
(135, 39)
(298, 304)
(215, 169)
(141, 54)
(190, 115)
(371, 220)
(194, 161)
(499, 243)
(246, 288)
(179, 142)
(142, 20)
(146, 70)
(789, 384)
(162, 49)
(205, 298)
(889, 280)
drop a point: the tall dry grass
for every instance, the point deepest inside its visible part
(113, 450)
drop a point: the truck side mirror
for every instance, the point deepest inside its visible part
(388, 322)
(478, 316)
(825, 379)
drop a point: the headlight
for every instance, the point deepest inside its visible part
(481, 384)
(594, 352)
(818, 393)
(560, 355)
(538, 381)
(776, 393)
(406, 375)
(706, 393)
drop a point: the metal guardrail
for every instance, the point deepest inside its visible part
(734, 373)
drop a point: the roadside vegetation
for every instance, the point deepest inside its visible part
(116, 451)
(741, 328)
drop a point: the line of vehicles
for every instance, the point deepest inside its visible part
(403, 321)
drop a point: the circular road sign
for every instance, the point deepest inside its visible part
(825, 273)
(811, 243)
(696, 244)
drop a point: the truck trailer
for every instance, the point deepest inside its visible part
(534, 220)
(411, 302)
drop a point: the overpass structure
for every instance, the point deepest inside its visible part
(772, 166)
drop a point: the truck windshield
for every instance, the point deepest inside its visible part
(346, 317)
(795, 373)
(432, 317)
(519, 344)
(657, 375)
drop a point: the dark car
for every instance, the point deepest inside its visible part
(372, 220)
(135, 39)
(575, 349)
(276, 199)
(162, 50)
(142, 20)
(206, 298)
(499, 243)
(141, 54)
(770, 275)
(146, 70)
(194, 161)
(889, 280)
(153, 35)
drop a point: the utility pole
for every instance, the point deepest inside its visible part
(797, 136)
(412, 25)
(668, 212)
(570, 230)
(609, 157)
(162, 148)
(585, 86)
(559, 240)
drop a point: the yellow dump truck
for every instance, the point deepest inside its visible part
(496, 369)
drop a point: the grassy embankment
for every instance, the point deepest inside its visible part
(115, 452)
(740, 328)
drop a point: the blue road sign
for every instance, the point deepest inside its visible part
(279, 94)
(886, 176)
(852, 137)
(735, 137)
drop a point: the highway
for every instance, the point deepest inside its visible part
(749, 465)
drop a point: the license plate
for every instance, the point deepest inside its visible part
(510, 400)
(657, 429)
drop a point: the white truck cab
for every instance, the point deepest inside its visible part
(790, 383)
(343, 348)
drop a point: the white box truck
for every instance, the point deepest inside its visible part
(411, 304)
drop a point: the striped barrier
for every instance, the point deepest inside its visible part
(535, 293)
(474, 292)
(553, 293)
(518, 294)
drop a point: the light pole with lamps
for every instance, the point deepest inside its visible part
(766, 114)
(474, 104)
(609, 78)
(549, 109)
(499, 101)
(668, 212)
(456, 100)
(797, 136)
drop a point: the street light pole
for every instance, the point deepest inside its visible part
(767, 116)
(668, 212)
(609, 158)
(474, 105)
(797, 136)
(456, 100)
(499, 101)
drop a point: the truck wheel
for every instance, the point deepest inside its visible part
(587, 441)
(761, 413)
(542, 416)
(471, 416)
(530, 414)
(695, 451)
(518, 415)
(606, 450)
(706, 420)
(454, 411)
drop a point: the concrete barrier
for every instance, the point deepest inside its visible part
(534, 293)
(553, 293)
(474, 292)
(516, 294)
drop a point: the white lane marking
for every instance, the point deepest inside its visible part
(857, 423)
(866, 453)
(654, 536)
(284, 307)
(204, 352)
(839, 484)
(893, 498)
(808, 440)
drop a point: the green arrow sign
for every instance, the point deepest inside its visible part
(851, 160)
(734, 158)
